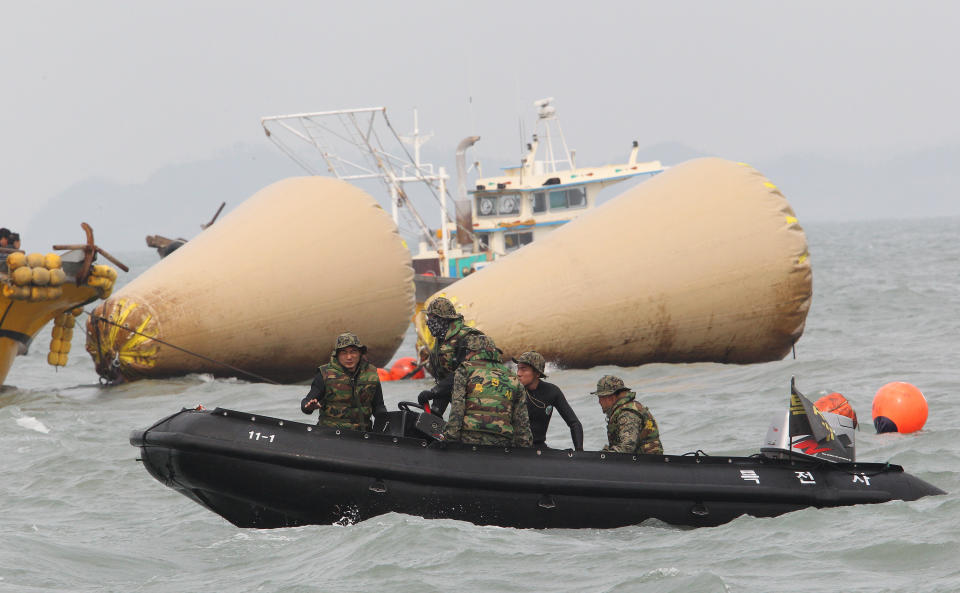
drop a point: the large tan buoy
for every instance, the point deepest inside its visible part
(265, 290)
(704, 262)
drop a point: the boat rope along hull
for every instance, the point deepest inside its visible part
(265, 472)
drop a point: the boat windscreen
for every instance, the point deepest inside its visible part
(812, 433)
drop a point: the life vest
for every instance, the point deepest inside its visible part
(628, 405)
(348, 399)
(491, 393)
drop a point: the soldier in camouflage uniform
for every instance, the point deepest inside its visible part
(631, 427)
(449, 350)
(347, 389)
(489, 405)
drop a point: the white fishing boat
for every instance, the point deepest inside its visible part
(708, 260)
(523, 204)
(499, 216)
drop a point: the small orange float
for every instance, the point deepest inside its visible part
(836, 403)
(404, 368)
(899, 407)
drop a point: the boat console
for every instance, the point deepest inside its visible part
(406, 422)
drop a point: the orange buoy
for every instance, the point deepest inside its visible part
(836, 403)
(899, 407)
(403, 368)
(384, 375)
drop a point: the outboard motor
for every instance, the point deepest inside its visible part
(805, 431)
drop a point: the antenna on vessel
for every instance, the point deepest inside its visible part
(547, 113)
(416, 140)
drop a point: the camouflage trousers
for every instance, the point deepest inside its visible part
(484, 438)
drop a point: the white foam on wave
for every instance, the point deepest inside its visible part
(33, 424)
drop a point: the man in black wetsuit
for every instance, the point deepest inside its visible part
(544, 398)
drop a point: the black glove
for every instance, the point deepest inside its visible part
(425, 397)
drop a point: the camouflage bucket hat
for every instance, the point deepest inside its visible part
(608, 385)
(443, 308)
(533, 360)
(348, 339)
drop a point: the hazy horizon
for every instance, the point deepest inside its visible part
(120, 93)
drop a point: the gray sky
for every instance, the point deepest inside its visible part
(118, 90)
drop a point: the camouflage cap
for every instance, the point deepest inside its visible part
(608, 385)
(443, 308)
(532, 359)
(348, 339)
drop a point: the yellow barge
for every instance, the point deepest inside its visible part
(37, 288)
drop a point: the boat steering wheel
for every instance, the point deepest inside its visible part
(405, 406)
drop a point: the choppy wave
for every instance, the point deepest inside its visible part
(80, 514)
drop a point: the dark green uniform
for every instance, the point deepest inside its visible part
(448, 352)
(631, 427)
(446, 356)
(347, 400)
(489, 405)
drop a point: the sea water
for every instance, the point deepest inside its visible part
(80, 514)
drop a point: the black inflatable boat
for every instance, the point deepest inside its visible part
(265, 472)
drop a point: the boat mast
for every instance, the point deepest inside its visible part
(547, 115)
(352, 144)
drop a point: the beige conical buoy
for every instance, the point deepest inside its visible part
(264, 291)
(704, 262)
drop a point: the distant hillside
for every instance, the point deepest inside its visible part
(921, 184)
(176, 199)
(173, 202)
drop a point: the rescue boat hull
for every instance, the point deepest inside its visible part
(265, 473)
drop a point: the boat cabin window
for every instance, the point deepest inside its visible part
(539, 202)
(510, 204)
(498, 205)
(514, 241)
(483, 242)
(574, 197)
